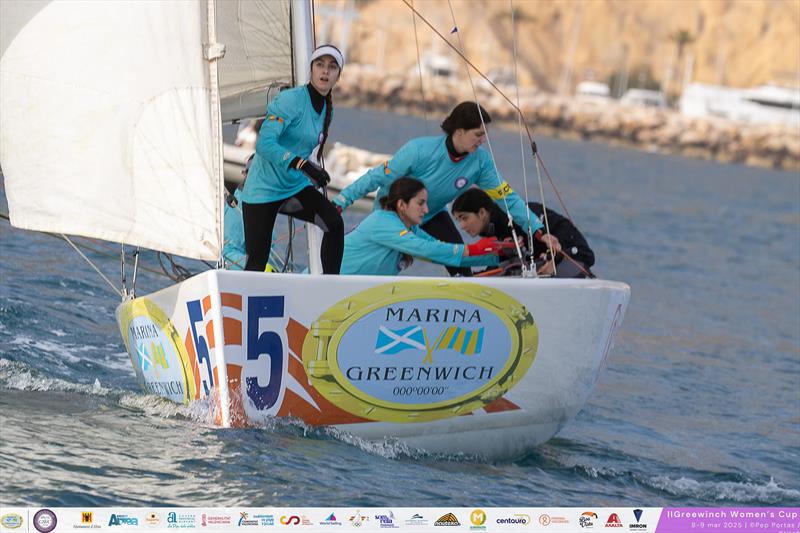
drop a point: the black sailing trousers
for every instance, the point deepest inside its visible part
(308, 205)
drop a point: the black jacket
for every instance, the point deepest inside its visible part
(560, 226)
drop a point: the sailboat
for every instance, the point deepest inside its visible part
(111, 129)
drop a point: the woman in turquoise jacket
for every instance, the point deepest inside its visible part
(385, 241)
(282, 178)
(447, 165)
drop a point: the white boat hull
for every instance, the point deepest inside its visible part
(492, 367)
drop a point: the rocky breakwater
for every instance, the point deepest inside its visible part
(657, 130)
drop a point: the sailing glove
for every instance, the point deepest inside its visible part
(485, 246)
(317, 174)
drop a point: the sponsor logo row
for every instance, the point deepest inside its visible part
(375, 519)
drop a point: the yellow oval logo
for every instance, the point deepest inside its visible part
(158, 356)
(420, 350)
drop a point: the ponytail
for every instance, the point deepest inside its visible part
(325, 126)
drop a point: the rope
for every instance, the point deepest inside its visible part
(179, 273)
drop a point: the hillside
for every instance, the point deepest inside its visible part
(562, 42)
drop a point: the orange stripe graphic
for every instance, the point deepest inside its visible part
(230, 299)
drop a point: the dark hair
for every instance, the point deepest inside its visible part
(326, 124)
(471, 201)
(404, 188)
(465, 116)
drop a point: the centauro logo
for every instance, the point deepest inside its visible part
(420, 350)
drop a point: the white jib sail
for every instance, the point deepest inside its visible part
(258, 54)
(106, 126)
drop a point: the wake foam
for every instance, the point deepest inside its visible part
(19, 376)
(734, 491)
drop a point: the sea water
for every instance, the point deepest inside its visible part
(699, 403)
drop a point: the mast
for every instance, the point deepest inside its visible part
(302, 48)
(214, 52)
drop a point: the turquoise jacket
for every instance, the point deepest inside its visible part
(233, 251)
(291, 129)
(427, 159)
(376, 247)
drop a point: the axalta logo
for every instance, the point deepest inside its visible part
(613, 521)
(440, 350)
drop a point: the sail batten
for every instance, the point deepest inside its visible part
(107, 127)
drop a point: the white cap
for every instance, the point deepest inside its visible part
(328, 50)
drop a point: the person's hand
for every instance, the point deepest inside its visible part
(317, 174)
(486, 246)
(551, 241)
(547, 268)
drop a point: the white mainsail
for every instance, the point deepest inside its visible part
(108, 126)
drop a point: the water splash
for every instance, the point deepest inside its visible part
(747, 492)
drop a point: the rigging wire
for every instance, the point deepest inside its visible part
(91, 264)
(488, 140)
(419, 67)
(521, 139)
(501, 93)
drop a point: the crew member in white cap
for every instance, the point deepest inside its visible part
(283, 178)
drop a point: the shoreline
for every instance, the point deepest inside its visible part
(652, 130)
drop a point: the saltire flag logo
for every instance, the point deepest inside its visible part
(392, 341)
(456, 338)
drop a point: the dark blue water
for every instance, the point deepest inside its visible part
(699, 403)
